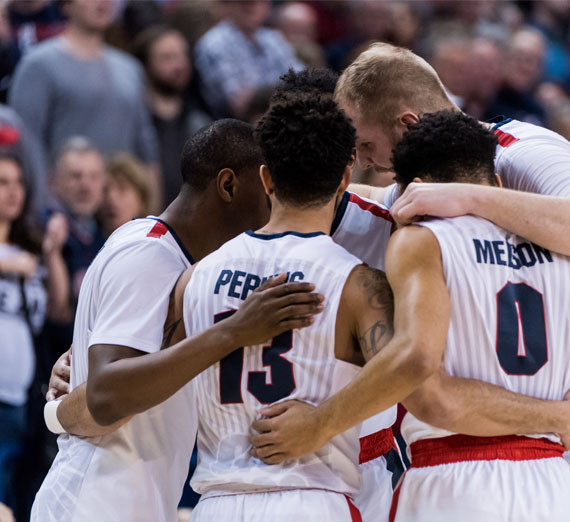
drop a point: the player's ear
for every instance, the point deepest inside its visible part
(407, 118)
(265, 176)
(226, 182)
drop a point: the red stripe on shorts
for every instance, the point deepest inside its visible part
(375, 445)
(158, 230)
(395, 497)
(355, 515)
(459, 448)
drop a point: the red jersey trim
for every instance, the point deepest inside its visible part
(375, 445)
(355, 515)
(371, 207)
(505, 139)
(461, 448)
(158, 230)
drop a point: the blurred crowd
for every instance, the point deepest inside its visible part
(99, 96)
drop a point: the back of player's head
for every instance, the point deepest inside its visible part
(307, 143)
(385, 79)
(223, 144)
(308, 80)
(446, 146)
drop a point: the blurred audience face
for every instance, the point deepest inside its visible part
(121, 204)
(80, 181)
(485, 70)
(451, 61)
(12, 191)
(91, 15)
(169, 67)
(371, 20)
(248, 15)
(524, 60)
(298, 23)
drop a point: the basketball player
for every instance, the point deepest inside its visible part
(505, 301)
(137, 471)
(387, 88)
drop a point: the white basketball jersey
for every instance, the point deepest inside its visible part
(363, 227)
(510, 324)
(138, 471)
(528, 158)
(298, 364)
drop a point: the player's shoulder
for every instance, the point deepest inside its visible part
(513, 134)
(353, 207)
(411, 246)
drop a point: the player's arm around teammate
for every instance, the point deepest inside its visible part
(456, 404)
(118, 384)
(421, 319)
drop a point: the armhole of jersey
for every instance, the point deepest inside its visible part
(340, 212)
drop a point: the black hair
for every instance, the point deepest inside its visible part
(226, 143)
(445, 146)
(23, 232)
(145, 40)
(308, 80)
(307, 142)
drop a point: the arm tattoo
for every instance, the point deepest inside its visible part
(169, 333)
(375, 287)
(372, 341)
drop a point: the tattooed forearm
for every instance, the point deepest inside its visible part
(374, 339)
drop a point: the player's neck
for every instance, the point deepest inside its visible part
(190, 216)
(286, 218)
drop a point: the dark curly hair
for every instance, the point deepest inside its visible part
(307, 142)
(445, 146)
(310, 80)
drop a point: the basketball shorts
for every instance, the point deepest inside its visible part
(306, 505)
(381, 467)
(484, 479)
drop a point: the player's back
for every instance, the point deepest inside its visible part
(299, 364)
(509, 311)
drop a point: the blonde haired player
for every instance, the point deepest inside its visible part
(388, 88)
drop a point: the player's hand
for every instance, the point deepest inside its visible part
(274, 308)
(59, 379)
(289, 430)
(6, 514)
(432, 199)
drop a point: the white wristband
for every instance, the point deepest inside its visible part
(50, 417)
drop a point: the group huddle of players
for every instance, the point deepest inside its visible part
(280, 314)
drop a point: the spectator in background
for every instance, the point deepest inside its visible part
(485, 75)
(450, 57)
(32, 21)
(522, 71)
(23, 304)
(297, 22)
(76, 85)
(552, 19)
(238, 55)
(369, 22)
(13, 134)
(127, 194)
(78, 185)
(176, 116)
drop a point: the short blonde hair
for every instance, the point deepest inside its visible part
(384, 79)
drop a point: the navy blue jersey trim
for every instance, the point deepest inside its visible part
(340, 212)
(281, 234)
(499, 121)
(176, 238)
